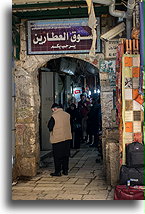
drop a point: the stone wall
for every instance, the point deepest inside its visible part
(111, 157)
(110, 133)
(27, 105)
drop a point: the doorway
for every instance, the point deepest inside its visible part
(63, 80)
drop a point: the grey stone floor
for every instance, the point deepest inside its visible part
(85, 181)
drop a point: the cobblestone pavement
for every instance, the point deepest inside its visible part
(85, 181)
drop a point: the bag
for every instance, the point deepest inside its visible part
(122, 192)
(135, 175)
(135, 155)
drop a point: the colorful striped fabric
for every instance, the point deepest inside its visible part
(132, 111)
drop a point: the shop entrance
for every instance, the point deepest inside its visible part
(63, 80)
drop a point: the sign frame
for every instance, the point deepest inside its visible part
(51, 24)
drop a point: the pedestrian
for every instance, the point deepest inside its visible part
(76, 127)
(83, 108)
(60, 137)
(94, 122)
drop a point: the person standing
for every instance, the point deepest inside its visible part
(83, 108)
(94, 122)
(60, 137)
(76, 127)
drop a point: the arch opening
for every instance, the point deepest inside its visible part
(63, 80)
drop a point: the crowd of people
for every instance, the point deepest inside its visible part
(85, 121)
(68, 129)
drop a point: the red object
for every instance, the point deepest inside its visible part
(122, 192)
(77, 91)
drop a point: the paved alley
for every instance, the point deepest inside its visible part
(85, 181)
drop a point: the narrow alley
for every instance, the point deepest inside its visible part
(77, 82)
(85, 181)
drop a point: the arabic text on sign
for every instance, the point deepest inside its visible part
(54, 37)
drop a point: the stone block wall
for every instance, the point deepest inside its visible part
(112, 162)
(110, 133)
(27, 105)
(111, 157)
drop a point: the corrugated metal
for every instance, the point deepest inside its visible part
(39, 1)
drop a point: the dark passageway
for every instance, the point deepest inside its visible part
(63, 81)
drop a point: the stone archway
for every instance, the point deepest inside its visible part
(27, 107)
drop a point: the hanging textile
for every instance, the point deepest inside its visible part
(131, 102)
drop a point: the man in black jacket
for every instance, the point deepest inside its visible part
(94, 122)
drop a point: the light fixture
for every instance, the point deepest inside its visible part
(89, 93)
(68, 72)
(98, 91)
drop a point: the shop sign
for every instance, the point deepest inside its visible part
(111, 49)
(77, 91)
(61, 36)
(108, 66)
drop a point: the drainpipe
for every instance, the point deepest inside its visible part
(122, 14)
(116, 13)
(130, 7)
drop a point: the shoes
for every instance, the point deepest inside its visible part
(65, 172)
(55, 174)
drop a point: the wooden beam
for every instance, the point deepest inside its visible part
(50, 5)
(60, 13)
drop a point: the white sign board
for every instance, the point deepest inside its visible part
(111, 49)
(76, 93)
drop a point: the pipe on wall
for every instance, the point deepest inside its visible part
(129, 13)
(130, 7)
(128, 28)
(116, 13)
(122, 14)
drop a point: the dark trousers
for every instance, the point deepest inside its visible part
(77, 139)
(96, 138)
(61, 153)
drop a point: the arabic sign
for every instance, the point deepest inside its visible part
(111, 49)
(61, 36)
(107, 66)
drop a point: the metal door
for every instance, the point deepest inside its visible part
(47, 97)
